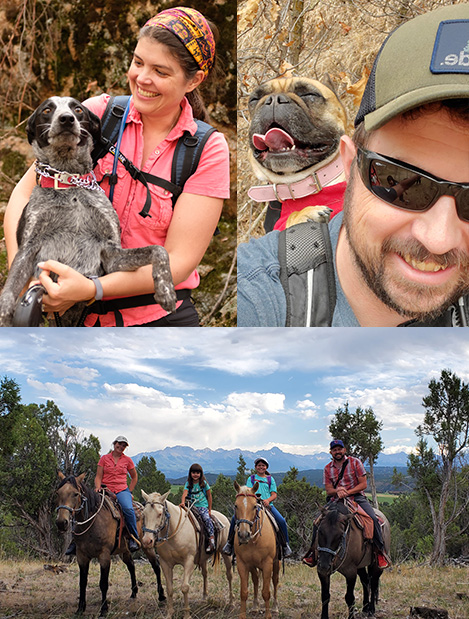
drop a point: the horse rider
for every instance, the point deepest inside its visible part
(346, 477)
(268, 493)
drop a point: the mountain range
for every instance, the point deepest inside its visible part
(175, 461)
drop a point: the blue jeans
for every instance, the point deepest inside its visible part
(125, 501)
(279, 519)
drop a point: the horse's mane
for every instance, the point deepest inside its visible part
(93, 498)
(334, 510)
(245, 490)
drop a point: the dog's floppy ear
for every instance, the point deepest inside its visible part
(31, 127)
(94, 127)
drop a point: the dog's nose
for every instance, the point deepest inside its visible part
(277, 98)
(66, 119)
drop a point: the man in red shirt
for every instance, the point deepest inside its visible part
(346, 477)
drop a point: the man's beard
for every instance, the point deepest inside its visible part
(372, 266)
(338, 457)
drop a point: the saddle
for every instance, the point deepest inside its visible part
(198, 524)
(111, 502)
(363, 521)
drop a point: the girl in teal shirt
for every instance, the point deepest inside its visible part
(197, 490)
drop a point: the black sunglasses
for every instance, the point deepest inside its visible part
(407, 187)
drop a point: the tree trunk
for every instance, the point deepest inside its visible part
(296, 37)
(374, 496)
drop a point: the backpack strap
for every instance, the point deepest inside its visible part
(110, 124)
(307, 274)
(341, 474)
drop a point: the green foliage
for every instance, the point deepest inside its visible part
(150, 479)
(36, 441)
(359, 431)
(223, 495)
(241, 471)
(299, 503)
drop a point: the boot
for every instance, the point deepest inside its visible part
(228, 548)
(211, 545)
(71, 550)
(287, 551)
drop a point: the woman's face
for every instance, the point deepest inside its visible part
(120, 447)
(157, 81)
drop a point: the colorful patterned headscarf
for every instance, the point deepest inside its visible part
(192, 29)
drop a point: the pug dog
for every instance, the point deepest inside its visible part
(294, 136)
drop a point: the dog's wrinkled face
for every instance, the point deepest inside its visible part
(62, 130)
(296, 124)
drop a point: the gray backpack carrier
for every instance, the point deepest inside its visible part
(308, 279)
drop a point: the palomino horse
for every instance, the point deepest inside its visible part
(255, 548)
(168, 527)
(95, 535)
(341, 548)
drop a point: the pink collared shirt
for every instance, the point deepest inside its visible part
(211, 179)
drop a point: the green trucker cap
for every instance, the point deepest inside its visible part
(425, 59)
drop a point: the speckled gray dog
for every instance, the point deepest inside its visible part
(78, 225)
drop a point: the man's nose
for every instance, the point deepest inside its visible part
(439, 229)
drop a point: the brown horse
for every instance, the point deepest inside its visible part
(255, 548)
(341, 548)
(96, 536)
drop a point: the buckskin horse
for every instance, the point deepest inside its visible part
(255, 547)
(342, 548)
(169, 528)
(96, 535)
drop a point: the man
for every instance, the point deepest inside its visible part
(346, 477)
(401, 257)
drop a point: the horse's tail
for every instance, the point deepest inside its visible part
(216, 560)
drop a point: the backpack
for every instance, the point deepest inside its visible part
(308, 280)
(186, 156)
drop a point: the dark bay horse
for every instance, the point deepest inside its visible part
(341, 548)
(95, 534)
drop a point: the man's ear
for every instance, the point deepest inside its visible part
(348, 152)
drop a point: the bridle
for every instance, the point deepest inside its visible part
(165, 524)
(252, 523)
(76, 510)
(341, 549)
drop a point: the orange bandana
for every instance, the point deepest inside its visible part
(192, 29)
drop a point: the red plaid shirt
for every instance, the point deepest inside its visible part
(353, 471)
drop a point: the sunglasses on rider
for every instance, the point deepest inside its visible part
(407, 187)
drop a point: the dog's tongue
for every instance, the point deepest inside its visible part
(274, 139)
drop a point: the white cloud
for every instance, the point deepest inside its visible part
(257, 403)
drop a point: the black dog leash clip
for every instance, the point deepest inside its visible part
(28, 312)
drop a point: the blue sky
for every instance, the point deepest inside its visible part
(229, 388)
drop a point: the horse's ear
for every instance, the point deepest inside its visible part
(60, 475)
(165, 496)
(145, 495)
(237, 486)
(255, 488)
(81, 477)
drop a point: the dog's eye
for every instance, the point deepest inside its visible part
(78, 110)
(46, 110)
(312, 95)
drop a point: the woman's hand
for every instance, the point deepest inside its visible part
(69, 288)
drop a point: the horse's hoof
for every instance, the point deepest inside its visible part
(162, 597)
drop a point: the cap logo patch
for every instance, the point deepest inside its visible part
(451, 50)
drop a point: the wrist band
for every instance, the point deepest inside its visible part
(99, 288)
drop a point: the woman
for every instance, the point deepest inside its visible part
(112, 472)
(268, 493)
(175, 53)
(197, 490)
